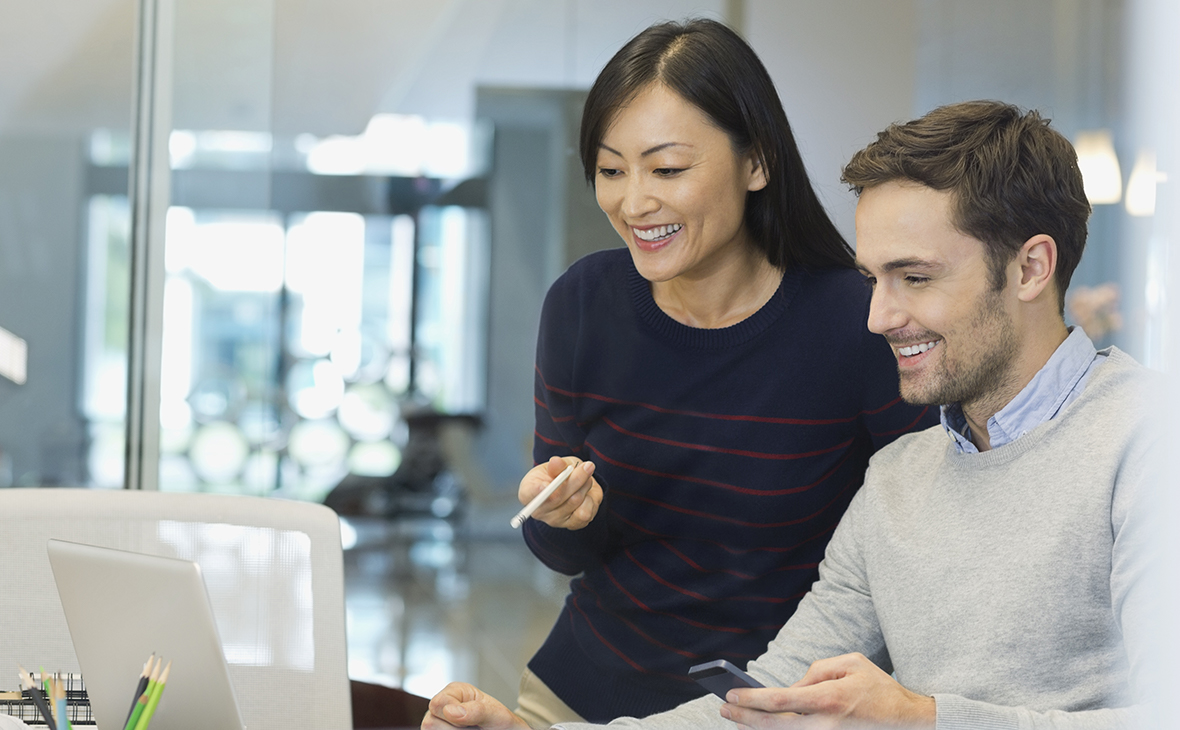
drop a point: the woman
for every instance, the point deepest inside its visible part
(714, 385)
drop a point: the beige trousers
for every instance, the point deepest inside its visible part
(538, 706)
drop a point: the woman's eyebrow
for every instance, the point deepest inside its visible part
(649, 151)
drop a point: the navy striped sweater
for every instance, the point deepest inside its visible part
(726, 456)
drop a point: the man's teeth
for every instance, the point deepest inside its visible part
(655, 234)
(916, 349)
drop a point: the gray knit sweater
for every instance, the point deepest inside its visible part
(1009, 585)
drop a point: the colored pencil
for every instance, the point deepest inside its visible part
(154, 700)
(59, 701)
(136, 712)
(30, 687)
(142, 702)
(48, 693)
(141, 686)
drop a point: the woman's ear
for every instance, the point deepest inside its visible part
(757, 176)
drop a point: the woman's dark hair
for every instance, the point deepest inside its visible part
(716, 71)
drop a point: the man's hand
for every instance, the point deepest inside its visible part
(574, 504)
(846, 691)
(461, 705)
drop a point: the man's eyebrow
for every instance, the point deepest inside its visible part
(909, 263)
(649, 151)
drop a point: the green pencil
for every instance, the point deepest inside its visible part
(141, 686)
(141, 703)
(154, 700)
(136, 711)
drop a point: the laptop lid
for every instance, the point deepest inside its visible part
(121, 607)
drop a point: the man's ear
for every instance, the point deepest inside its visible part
(757, 179)
(1038, 263)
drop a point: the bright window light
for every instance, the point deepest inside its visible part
(1101, 176)
(394, 144)
(14, 357)
(232, 254)
(1141, 187)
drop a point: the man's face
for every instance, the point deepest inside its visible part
(933, 300)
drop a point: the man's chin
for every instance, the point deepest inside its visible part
(917, 396)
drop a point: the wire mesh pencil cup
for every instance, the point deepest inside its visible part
(15, 704)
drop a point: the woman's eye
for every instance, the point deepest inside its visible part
(608, 172)
(667, 171)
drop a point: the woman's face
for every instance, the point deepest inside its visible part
(673, 187)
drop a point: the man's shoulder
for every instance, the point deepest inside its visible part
(1119, 389)
(913, 449)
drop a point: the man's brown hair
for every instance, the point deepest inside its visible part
(1011, 177)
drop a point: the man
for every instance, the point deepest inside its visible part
(994, 566)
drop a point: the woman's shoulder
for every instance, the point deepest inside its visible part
(836, 292)
(592, 272)
(594, 265)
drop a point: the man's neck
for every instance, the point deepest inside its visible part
(1032, 355)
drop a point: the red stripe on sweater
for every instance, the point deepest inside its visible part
(731, 520)
(650, 639)
(701, 597)
(713, 483)
(682, 619)
(722, 450)
(602, 638)
(904, 429)
(713, 416)
(550, 441)
(727, 548)
(726, 571)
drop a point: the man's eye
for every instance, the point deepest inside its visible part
(871, 282)
(916, 280)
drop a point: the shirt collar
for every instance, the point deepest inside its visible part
(1055, 385)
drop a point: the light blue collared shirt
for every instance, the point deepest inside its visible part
(1054, 387)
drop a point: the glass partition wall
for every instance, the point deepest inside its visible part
(300, 281)
(65, 97)
(316, 281)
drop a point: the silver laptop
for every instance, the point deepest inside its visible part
(122, 606)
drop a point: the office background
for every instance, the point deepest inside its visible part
(254, 246)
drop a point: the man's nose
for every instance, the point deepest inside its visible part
(885, 313)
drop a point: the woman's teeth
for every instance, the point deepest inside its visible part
(655, 234)
(916, 349)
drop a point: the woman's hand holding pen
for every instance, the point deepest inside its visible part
(574, 504)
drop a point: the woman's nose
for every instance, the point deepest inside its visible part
(638, 199)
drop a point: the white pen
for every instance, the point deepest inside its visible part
(531, 507)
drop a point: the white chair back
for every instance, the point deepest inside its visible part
(273, 569)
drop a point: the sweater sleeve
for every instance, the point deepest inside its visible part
(836, 617)
(557, 433)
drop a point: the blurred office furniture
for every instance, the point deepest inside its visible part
(424, 484)
(273, 569)
(376, 706)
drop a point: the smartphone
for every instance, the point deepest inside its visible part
(720, 676)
